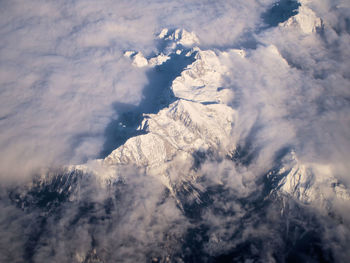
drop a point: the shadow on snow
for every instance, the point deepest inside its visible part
(156, 96)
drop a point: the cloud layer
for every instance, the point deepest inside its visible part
(62, 68)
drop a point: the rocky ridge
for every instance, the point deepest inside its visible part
(200, 120)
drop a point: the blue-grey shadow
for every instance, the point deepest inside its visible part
(156, 96)
(280, 12)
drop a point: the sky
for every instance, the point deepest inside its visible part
(63, 70)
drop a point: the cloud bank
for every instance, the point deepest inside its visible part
(62, 68)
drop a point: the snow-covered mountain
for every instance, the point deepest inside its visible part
(201, 120)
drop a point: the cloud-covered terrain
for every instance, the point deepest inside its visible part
(242, 156)
(62, 68)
